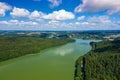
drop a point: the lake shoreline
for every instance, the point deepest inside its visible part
(102, 58)
(57, 63)
(12, 47)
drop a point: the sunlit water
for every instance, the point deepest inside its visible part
(51, 64)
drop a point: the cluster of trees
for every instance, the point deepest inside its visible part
(101, 63)
(11, 47)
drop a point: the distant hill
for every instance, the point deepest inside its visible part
(100, 34)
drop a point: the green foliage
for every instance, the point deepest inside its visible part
(78, 70)
(11, 47)
(101, 63)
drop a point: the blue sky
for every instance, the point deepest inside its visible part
(59, 15)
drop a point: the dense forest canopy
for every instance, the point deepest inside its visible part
(11, 47)
(101, 63)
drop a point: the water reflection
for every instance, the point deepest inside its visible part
(63, 52)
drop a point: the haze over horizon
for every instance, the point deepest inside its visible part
(59, 14)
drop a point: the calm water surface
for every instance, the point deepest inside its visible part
(51, 64)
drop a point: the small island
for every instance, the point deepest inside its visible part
(12, 47)
(101, 63)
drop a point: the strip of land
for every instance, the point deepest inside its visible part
(12, 47)
(101, 63)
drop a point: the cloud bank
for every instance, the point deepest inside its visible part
(111, 6)
(91, 23)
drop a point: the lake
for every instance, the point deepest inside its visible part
(55, 63)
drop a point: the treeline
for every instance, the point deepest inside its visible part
(101, 63)
(11, 47)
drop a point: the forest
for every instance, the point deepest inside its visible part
(101, 63)
(12, 47)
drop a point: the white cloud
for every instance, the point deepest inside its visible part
(55, 16)
(85, 23)
(36, 15)
(99, 19)
(18, 23)
(53, 22)
(96, 23)
(55, 3)
(60, 15)
(100, 23)
(3, 8)
(19, 12)
(81, 18)
(77, 23)
(112, 6)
